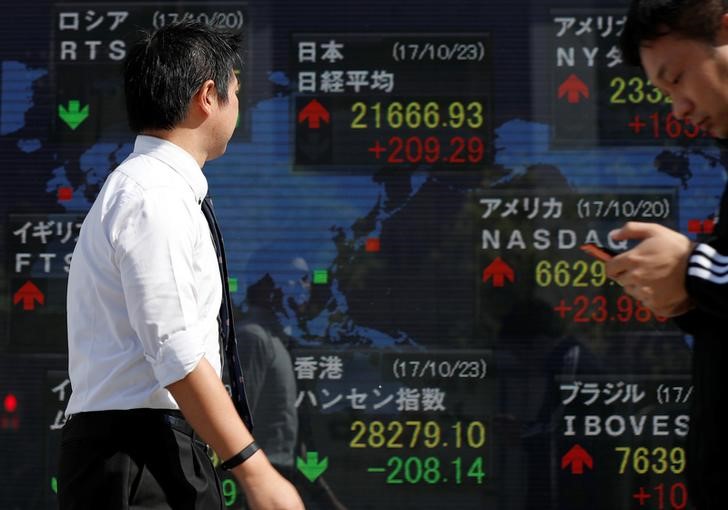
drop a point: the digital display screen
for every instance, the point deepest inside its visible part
(404, 202)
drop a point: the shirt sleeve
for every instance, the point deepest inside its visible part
(155, 251)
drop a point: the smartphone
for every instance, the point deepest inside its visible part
(603, 254)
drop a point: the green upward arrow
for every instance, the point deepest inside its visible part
(74, 115)
(311, 467)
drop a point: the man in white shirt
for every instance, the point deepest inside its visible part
(144, 292)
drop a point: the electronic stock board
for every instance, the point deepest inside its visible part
(403, 203)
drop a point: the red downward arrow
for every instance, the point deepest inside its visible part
(499, 271)
(578, 458)
(314, 112)
(28, 294)
(572, 88)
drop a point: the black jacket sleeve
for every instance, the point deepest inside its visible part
(697, 321)
(706, 280)
(707, 277)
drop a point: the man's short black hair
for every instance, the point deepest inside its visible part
(649, 19)
(166, 68)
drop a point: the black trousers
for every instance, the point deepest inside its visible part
(135, 459)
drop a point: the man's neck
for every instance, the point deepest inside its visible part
(183, 138)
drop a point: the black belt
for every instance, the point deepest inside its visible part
(94, 423)
(176, 421)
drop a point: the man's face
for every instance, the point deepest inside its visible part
(694, 74)
(226, 119)
(231, 108)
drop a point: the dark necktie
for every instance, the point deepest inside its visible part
(229, 347)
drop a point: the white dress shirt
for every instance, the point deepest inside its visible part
(144, 286)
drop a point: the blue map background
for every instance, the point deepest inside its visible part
(285, 224)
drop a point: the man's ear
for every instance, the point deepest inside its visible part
(721, 38)
(206, 97)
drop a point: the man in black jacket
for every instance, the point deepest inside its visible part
(682, 45)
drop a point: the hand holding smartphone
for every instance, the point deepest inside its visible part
(603, 254)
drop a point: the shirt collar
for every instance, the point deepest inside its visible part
(177, 159)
